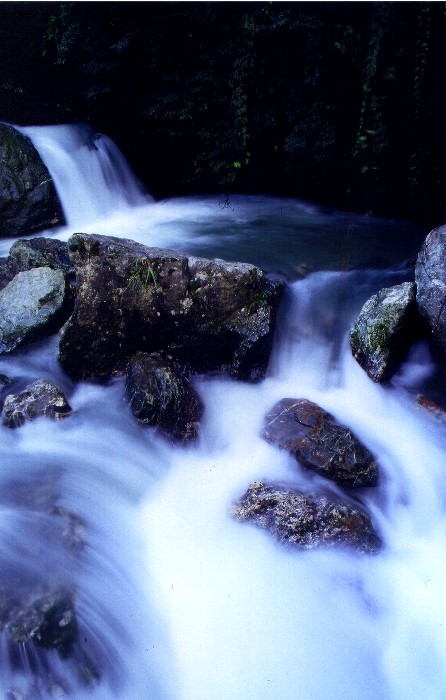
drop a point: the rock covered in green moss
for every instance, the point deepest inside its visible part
(385, 329)
(306, 521)
(28, 198)
(318, 442)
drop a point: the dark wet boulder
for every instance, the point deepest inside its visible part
(41, 398)
(386, 327)
(317, 441)
(41, 615)
(161, 395)
(430, 277)
(28, 198)
(33, 306)
(306, 521)
(206, 314)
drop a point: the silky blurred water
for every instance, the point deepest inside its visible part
(176, 600)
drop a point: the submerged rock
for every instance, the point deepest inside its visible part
(206, 314)
(42, 615)
(161, 395)
(430, 277)
(41, 398)
(307, 521)
(28, 198)
(320, 443)
(384, 330)
(33, 306)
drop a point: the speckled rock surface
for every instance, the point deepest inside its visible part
(41, 398)
(206, 314)
(306, 521)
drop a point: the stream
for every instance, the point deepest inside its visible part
(177, 600)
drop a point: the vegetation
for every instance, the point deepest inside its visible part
(341, 103)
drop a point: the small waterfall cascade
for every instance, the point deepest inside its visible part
(91, 175)
(175, 599)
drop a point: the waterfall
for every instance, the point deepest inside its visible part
(176, 600)
(91, 175)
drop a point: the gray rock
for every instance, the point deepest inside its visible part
(306, 521)
(317, 441)
(430, 277)
(32, 306)
(208, 315)
(384, 331)
(41, 398)
(161, 395)
(28, 199)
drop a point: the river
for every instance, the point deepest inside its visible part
(176, 600)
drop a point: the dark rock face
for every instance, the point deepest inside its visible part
(28, 199)
(160, 395)
(306, 521)
(208, 315)
(384, 330)
(34, 305)
(430, 277)
(319, 443)
(43, 615)
(41, 398)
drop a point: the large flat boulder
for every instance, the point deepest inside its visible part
(204, 314)
(306, 522)
(318, 442)
(28, 198)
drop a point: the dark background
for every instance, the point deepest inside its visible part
(339, 103)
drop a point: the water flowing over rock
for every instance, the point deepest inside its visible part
(430, 277)
(307, 521)
(160, 395)
(41, 398)
(42, 615)
(319, 443)
(33, 306)
(205, 314)
(28, 199)
(384, 330)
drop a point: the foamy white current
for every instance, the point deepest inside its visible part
(176, 600)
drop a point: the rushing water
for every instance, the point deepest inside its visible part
(176, 600)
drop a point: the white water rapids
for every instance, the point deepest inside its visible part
(176, 600)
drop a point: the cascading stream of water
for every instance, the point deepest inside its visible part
(91, 176)
(177, 600)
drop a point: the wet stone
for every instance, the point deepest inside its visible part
(305, 521)
(318, 442)
(41, 398)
